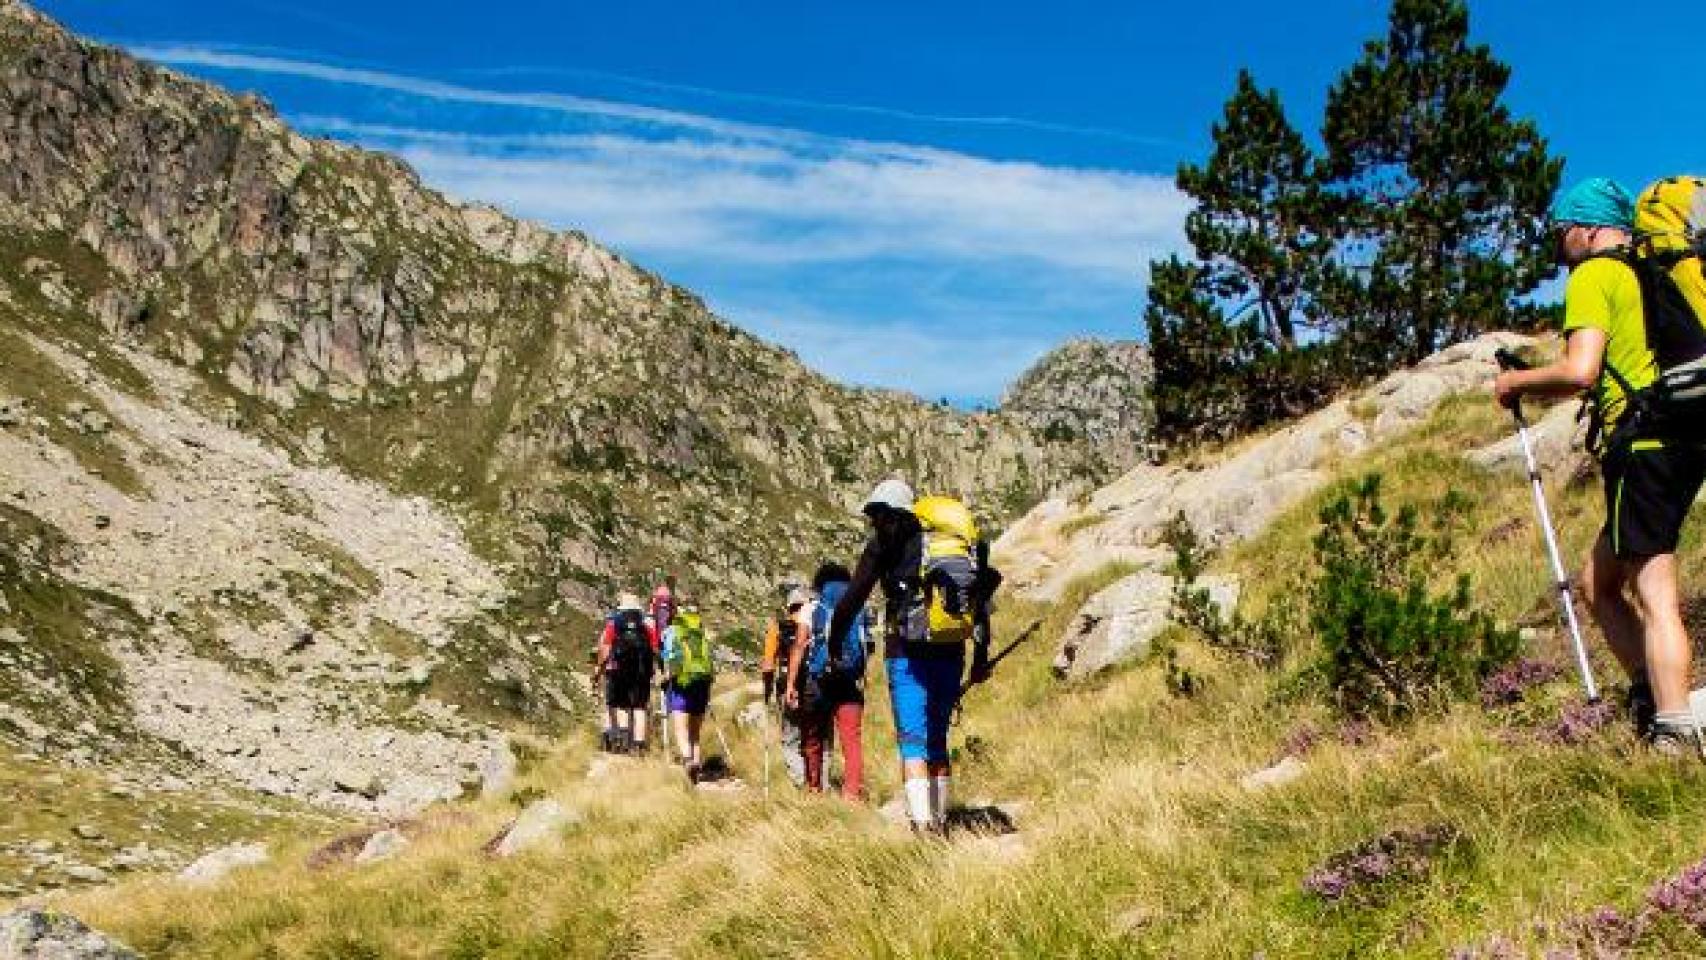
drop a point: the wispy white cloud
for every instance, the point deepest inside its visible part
(831, 106)
(759, 205)
(858, 254)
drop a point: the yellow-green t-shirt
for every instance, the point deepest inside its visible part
(1604, 294)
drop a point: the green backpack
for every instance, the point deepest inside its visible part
(693, 658)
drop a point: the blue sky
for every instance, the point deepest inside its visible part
(923, 196)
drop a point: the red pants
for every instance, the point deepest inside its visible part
(815, 735)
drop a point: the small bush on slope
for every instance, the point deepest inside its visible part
(1390, 646)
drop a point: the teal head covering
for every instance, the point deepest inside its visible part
(1597, 202)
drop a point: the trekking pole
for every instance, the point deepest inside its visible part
(1510, 361)
(717, 725)
(989, 667)
(663, 713)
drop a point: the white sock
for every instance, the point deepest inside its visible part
(918, 796)
(1676, 720)
(939, 798)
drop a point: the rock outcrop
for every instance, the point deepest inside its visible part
(39, 935)
(1090, 389)
(1059, 542)
(213, 866)
(1118, 623)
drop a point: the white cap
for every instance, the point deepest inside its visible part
(892, 493)
(629, 601)
(798, 597)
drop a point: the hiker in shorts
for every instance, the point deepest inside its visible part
(1649, 483)
(627, 660)
(829, 703)
(924, 676)
(688, 669)
(786, 633)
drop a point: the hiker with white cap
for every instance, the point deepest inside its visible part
(627, 658)
(932, 610)
(785, 636)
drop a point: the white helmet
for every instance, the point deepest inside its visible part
(891, 494)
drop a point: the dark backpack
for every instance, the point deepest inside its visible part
(1670, 237)
(785, 635)
(631, 655)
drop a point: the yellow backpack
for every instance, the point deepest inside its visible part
(1670, 230)
(948, 568)
(1670, 239)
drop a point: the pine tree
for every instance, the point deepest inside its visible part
(1253, 228)
(1197, 355)
(1444, 192)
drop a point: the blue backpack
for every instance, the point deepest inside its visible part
(852, 660)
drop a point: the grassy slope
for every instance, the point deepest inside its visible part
(1139, 840)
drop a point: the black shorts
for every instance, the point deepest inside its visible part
(627, 694)
(1648, 489)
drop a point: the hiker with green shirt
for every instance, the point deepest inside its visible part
(1649, 482)
(688, 669)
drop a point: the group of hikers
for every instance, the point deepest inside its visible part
(934, 570)
(1635, 343)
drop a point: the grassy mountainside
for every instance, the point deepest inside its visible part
(593, 422)
(1137, 835)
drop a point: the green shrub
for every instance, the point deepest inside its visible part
(1262, 641)
(1390, 646)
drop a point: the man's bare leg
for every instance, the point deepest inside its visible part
(1667, 649)
(1606, 576)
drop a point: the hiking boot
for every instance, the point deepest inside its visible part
(1643, 709)
(1673, 740)
(694, 771)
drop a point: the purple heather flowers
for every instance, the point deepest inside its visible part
(1511, 684)
(1359, 874)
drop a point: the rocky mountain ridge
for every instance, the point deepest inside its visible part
(577, 405)
(1091, 389)
(311, 478)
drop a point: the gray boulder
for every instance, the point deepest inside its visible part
(542, 822)
(212, 867)
(38, 935)
(1278, 775)
(382, 846)
(1117, 624)
(1557, 437)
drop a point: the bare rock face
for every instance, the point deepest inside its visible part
(39, 935)
(1557, 439)
(1230, 500)
(1116, 625)
(577, 404)
(1096, 390)
(1238, 496)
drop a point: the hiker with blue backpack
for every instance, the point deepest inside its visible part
(688, 671)
(828, 692)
